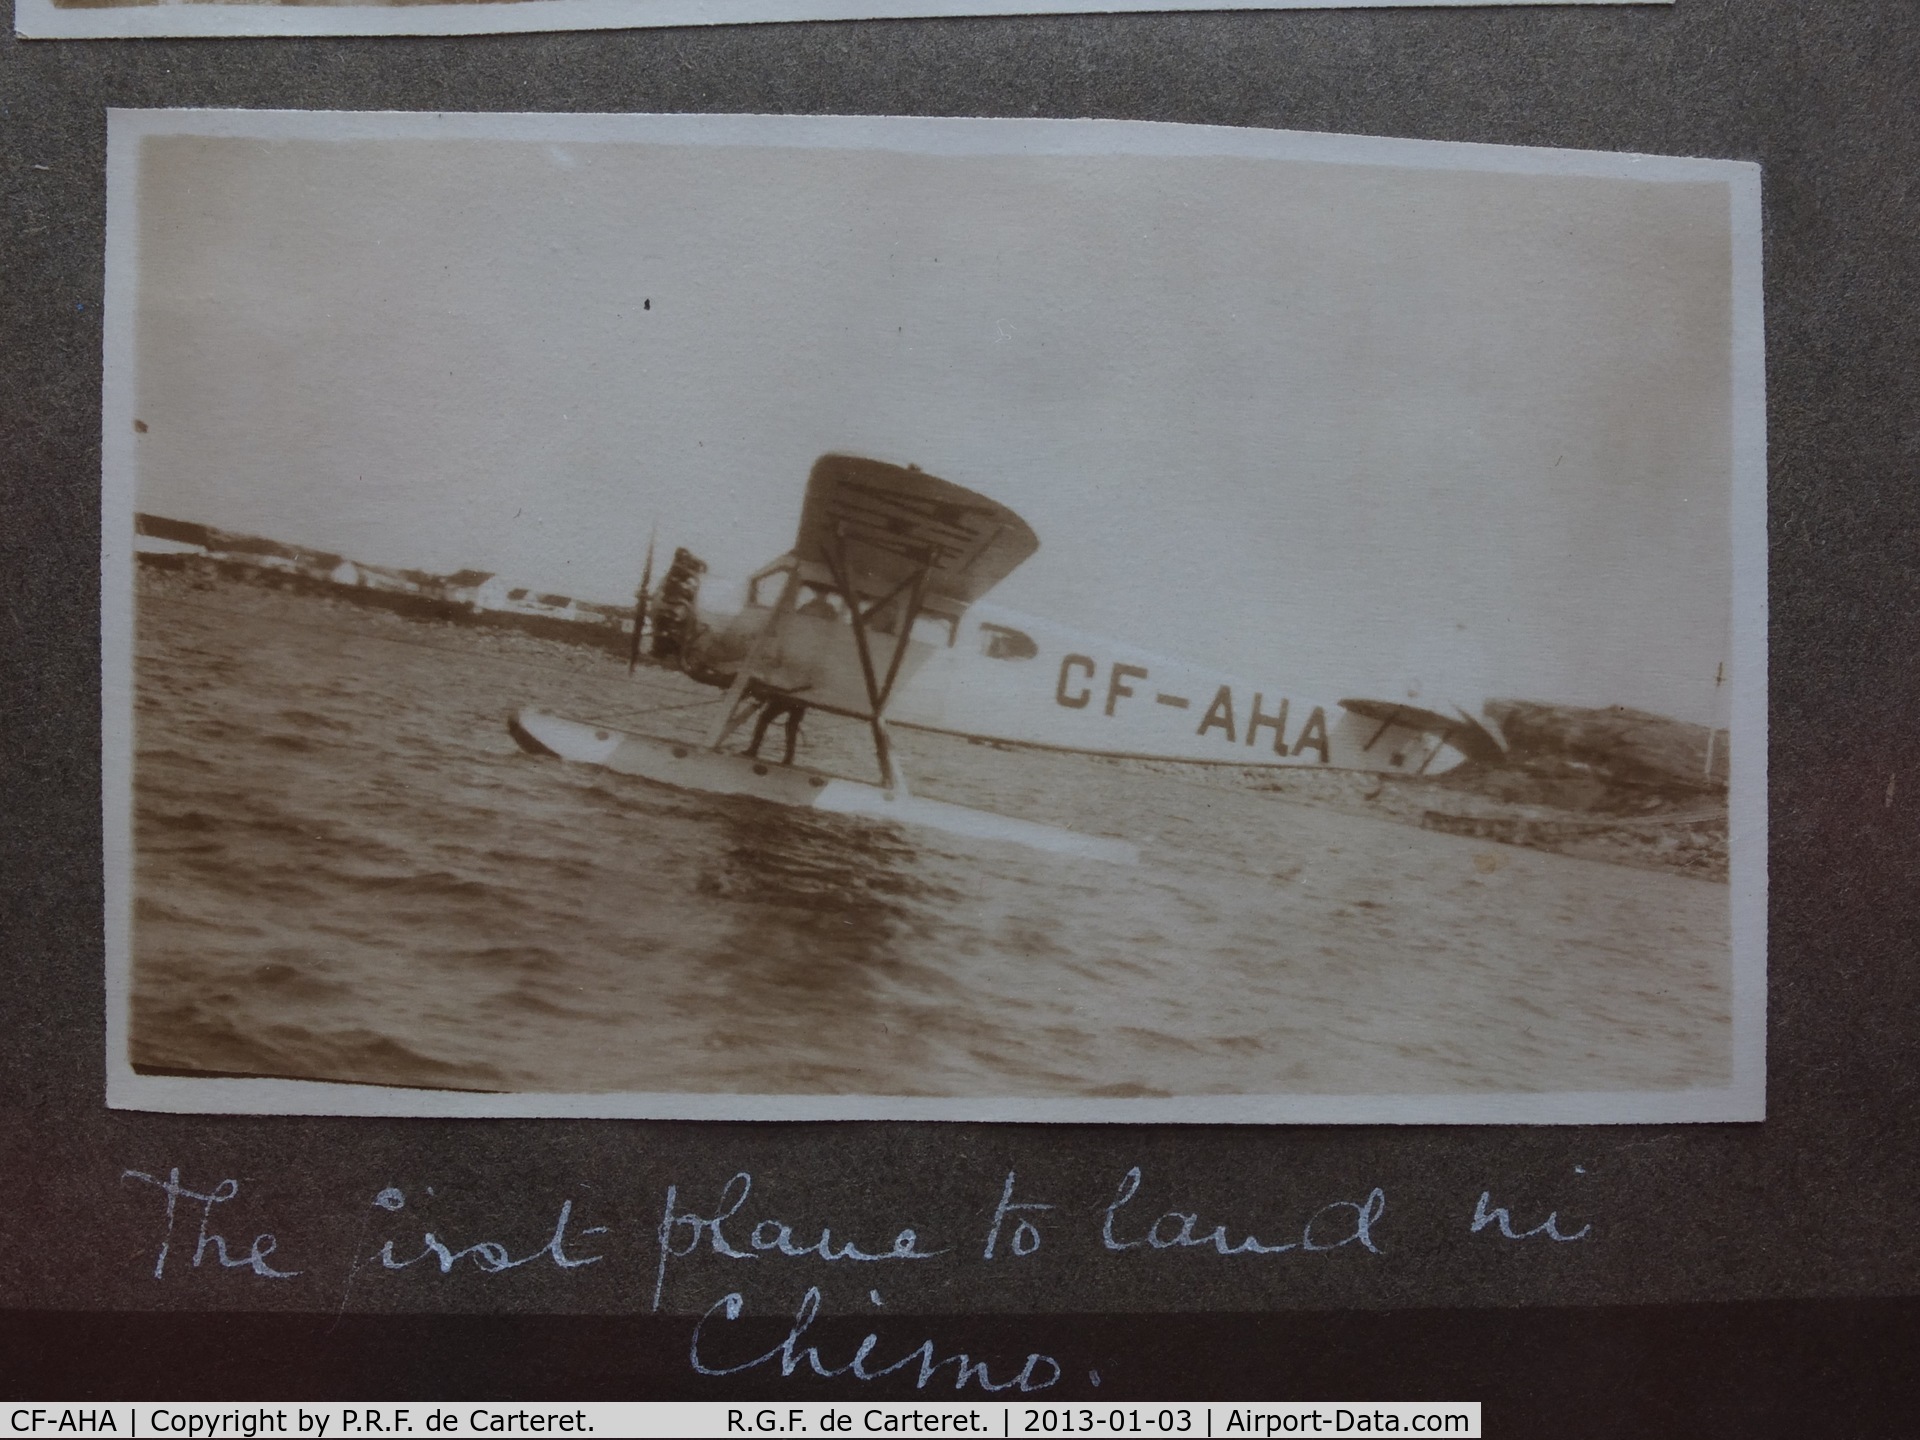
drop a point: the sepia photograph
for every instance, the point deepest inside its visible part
(104, 19)
(763, 617)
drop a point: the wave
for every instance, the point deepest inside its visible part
(429, 906)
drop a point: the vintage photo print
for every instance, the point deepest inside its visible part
(757, 617)
(101, 19)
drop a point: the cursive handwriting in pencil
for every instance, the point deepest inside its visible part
(1498, 1217)
(1180, 1229)
(767, 1238)
(1037, 1373)
(490, 1256)
(256, 1257)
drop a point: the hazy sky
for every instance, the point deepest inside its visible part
(1357, 424)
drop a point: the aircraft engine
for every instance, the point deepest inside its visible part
(675, 614)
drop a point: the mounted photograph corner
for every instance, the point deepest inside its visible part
(790, 618)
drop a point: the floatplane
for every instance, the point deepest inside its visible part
(874, 615)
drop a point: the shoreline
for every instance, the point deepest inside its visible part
(1681, 830)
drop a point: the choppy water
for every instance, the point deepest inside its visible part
(345, 870)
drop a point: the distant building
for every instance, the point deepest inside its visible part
(475, 589)
(381, 577)
(486, 593)
(614, 617)
(478, 591)
(522, 600)
(314, 564)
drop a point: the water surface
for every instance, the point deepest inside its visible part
(345, 870)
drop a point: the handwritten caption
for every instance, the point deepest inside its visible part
(727, 1225)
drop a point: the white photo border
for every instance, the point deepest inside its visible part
(1742, 1099)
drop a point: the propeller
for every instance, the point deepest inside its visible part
(640, 602)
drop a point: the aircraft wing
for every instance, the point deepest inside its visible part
(883, 553)
(913, 553)
(1474, 738)
(884, 524)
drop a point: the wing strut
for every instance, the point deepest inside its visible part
(1444, 739)
(878, 691)
(905, 636)
(1385, 725)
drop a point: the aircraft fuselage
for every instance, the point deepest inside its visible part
(997, 675)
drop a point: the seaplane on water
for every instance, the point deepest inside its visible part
(874, 615)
